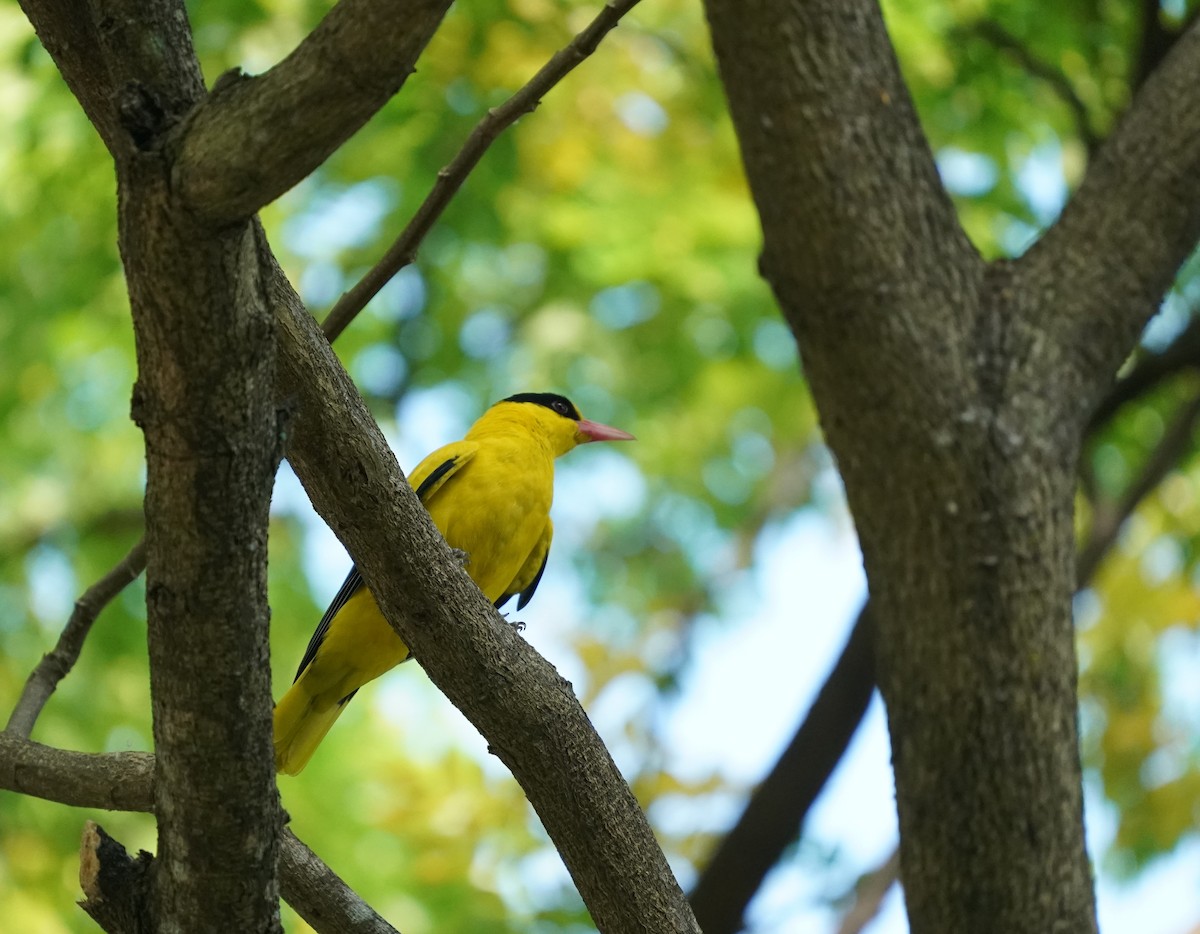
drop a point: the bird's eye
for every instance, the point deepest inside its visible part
(560, 408)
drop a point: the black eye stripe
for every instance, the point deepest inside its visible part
(554, 402)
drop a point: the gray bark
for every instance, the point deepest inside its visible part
(530, 716)
(205, 401)
(953, 393)
(183, 255)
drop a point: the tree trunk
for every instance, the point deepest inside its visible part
(205, 400)
(953, 393)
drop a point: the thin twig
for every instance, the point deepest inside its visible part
(404, 250)
(870, 893)
(55, 664)
(1106, 525)
(1149, 371)
(1004, 40)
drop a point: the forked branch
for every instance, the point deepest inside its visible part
(450, 179)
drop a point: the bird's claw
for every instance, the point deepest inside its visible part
(463, 558)
(515, 623)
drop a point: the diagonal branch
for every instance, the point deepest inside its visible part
(253, 138)
(870, 891)
(404, 250)
(55, 664)
(1106, 526)
(1105, 265)
(1183, 353)
(320, 896)
(1002, 39)
(776, 811)
(529, 715)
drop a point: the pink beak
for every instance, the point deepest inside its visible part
(594, 431)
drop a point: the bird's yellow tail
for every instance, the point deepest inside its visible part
(301, 722)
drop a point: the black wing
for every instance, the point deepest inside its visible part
(354, 580)
(527, 593)
(429, 482)
(350, 587)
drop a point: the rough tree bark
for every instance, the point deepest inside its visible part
(775, 813)
(529, 714)
(954, 393)
(205, 401)
(190, 245)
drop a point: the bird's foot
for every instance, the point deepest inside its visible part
(515, 623)
(463, 558)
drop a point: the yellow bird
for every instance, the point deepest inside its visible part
(489, 495)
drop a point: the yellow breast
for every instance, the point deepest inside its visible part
(496, 509)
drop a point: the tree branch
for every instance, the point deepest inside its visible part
(404, 250)
(1107, 523)
(1005, 41)
(115, 781)
(320, 896)
(124, 781)
(253, 138)
(116, 886)
(1151, 369)
(854, 215)
(1107, 262)
(775, 813)
(530, 716)
(870, 892)
(68, 32)
(55, 664)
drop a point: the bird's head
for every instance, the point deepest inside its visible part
(556, 418)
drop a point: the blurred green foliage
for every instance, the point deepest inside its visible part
(604, 248)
